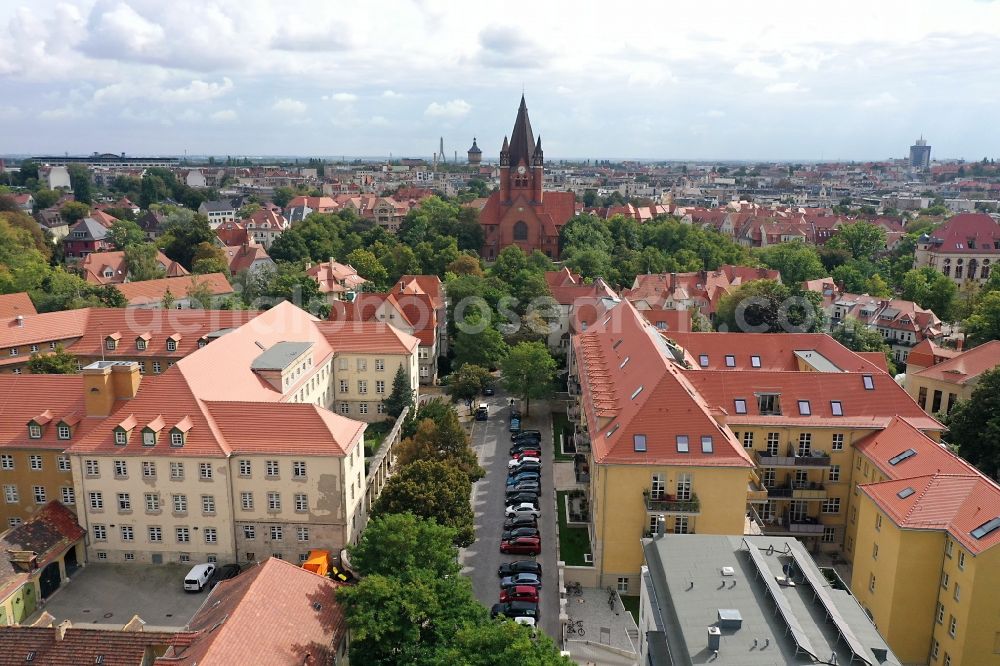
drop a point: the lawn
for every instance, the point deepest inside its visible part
(574, 542)
(374, 434)
(632, 606)
(560, 424)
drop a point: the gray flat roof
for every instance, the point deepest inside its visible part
(280, 355)
(685, 571)
(817, 360)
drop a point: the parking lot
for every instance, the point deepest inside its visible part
(110, 594)
(491, 441)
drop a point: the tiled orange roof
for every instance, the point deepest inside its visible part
(48, 533)
(367, 337)
(925, 354)
(275, 613)
(23, 397)
(302, 429)
(966, 366)
(958, 503)
(412, 310)
(82, 646)
(151, 292)
(330, 274)
(928, 457)
(12, 305)
(96, 264)
(426, 284)
(877, 359)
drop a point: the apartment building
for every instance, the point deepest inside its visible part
(965, 248)
(937, 387)
(902, 324)
(727, 433)
(924, 541)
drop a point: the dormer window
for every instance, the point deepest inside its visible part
(140, 344)
(110, 344)
(34, 431)
(63, 431)
(769, 404)
(176, 438)
(171, 345)
(121, 437)
(148, 437)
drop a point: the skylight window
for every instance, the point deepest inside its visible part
(755, 361)
(639, 441)
(730, 361)
(804, 408)
(607, 320)
(869, 382)
(682, 444)
(986, 528)
(836, 408)
(636, 392)
(741, 406)
(706, 444)
(896, 459)
(703, 360)
(769, 404)
(905, 492)
(613, 430)
(624, 363)
(617, 343)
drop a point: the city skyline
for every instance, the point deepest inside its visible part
(763, 82)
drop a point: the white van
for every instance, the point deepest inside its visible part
(197, 578)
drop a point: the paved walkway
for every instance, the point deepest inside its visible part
(601, 624)
(565, 477)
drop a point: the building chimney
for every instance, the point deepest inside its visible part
(673, 282)
(61, 629)
(20, 321)
(959, 344)
(104, 382)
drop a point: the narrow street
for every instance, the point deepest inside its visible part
(491, 441)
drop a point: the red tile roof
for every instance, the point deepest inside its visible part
(367, 337)
(151, 292)
(242, 257)
(925, 354)
(50, 532)
(424, 284)
(301, 429)
(12, 305)
(24, 397)
(96, 264)
(414, 311)
(953, 236)
(966, 366)
(276, 613)
(330, 275)
(877, 359)
(82, 646)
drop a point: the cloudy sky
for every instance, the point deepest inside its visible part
(651, 79)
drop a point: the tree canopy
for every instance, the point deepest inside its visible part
(857, 337)
(974, 425)
(59, 362)
(767, 306)
(930, 289)
(794, 260)
(983, 324)
(401, 396)
(431, 489)
(529, 371)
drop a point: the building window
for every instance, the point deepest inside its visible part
(121, 469)
(622, 585)
(271, 468)
(148, 438)
(102, 555)
(152, 502)
(176, 439)
(703, 360)
(246, 501)
(829, 534)
(10, 494)
(380, 364)
(34, 431)
(63, 431)
(682, 444)
(945, 580)
(958, 592)
(302, 533)
(301, 502)
(805, 444)
(35, 463)
(299, 469)
(362, 386)
(834, 473)
(180, 503)
(831, 505)
(520, 231)
(706, 444)
(681, 525)
(748, 439)
(249, 532)
(345, 408)
(245, 468)
(683, 487)
(100, 533)
(211, 536)
(869, 382)
(836, 408)
(6, 461)
(773, 443)
(952, 626)
(156, 367)
(379, 386)
(205, 471)
(362, 408)
(874, 551)
(343, 386)
(940, 613)
(274, 501)
(148, 469)
(208, 504)
(838, 441)
(39, 493)
(68, 496)
(935, 649)
(961, 559)
(730, 361)
(121, 437)
(124, 502)
(769, 404)
(13, 351)
(140, 344)
(183, 534)
(110, 344)
(277, 533)
(177, 470)
(871, 582)
(128, 533)
(155, 534)
(96, 501)
(171, 345)
(362, 364)
(381, 408)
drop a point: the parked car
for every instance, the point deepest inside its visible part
(522, 545)
(520, 520)
(526, 453)
(520, 566)
(482, 412)
(515, 609)
(532, 487)
(523, 476)
(519, 497)
(525, 446)
(525, 466)
(198, 577)
(488, 390)
(225, 572)
(518, 532)
(515, 426)
(523, 508)
(525, 435)
(515, 413)
(519, 593)
(534, 580)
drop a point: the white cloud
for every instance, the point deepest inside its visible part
(224, 116)
(649, 75)
(344, 97)
(756, 69)
(391, 94)
(715, 113)
(882, 99)
(563, 90)
(198, 91)
(289, 105)
(785, 87)
(456, 108)
(125, 27)
(378, 121)
(60, 113)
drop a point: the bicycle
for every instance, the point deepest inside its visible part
(574, 589)
(575, 627)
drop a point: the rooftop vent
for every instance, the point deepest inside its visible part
(714, 638)
(729, 618)
(728, 571)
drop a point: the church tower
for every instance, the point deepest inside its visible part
(521, 161)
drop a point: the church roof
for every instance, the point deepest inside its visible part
(522, 141)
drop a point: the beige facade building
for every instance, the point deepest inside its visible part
(938, 387)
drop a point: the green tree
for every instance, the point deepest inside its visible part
(431, 489)
(168, 300)
(200, 296)
(468, 382)
(124, 233)
(974, 425)
(282, 195)
(79, 179)
(796, 261)
(121, 213)
(862, 239)
(74, 211)
(983, 324)
(857, 337)
(46, 198)
(469, 265)
(183, 231)
(142, 260)
(401, 396)
(398, 543)
(446, 441)
(22, 266)
(484, 347)
(367, 265)
(767, 306)
(209, 258)
(59, 362)
(506, 642)
(932, 290)
(529, 371)
(876, 286)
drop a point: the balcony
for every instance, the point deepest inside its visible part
(572, 386)
(806, 490)
(793, 459)
(756, 492)
(798, 526)
(573, 411)
(581, 440)
(664, 503)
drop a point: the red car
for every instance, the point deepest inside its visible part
(525, 545)
(527, 453)
(519, 593)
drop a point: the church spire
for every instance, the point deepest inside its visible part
(522, 141)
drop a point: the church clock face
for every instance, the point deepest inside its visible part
(521, 169)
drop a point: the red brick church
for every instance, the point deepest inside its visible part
(519, 213)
